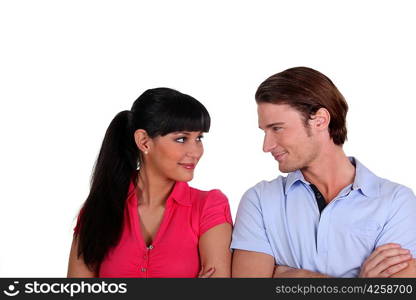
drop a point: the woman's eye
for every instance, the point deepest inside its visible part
(199, 138)
(181, 140)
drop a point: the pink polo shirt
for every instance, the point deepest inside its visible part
(189, 213)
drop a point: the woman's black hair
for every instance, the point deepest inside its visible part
(158, 111)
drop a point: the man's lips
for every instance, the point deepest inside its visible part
(279, 156)
(187, 166)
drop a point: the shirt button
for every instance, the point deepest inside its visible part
(143, 269)
(150, 247)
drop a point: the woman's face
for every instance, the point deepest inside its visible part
(175, 155)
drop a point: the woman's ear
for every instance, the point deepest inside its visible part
(142, 140)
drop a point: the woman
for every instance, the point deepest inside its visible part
(141, 219)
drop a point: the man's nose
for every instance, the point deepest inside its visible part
(269, 143)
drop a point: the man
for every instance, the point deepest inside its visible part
(330, 216)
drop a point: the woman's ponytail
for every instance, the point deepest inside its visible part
(101, 218)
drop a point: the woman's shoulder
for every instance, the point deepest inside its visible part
(211, 207)
(207, 198)
(203, 194)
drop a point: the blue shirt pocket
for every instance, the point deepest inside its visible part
(367, 232)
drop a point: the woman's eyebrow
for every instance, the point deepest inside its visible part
(186, 132)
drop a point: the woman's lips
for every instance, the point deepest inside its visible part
(188, 166)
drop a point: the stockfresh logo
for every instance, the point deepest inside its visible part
(11, 289)
(68, 288)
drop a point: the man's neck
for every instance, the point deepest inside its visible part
(330, 172)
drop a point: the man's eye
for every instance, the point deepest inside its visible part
(181, 140)
(277, 128)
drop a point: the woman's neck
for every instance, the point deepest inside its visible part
(153, 190)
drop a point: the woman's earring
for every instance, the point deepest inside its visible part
(145, 152)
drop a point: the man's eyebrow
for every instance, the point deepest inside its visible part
(274, 124)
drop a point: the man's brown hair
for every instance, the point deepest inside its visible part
(307, 90)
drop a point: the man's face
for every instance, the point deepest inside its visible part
(287, 138)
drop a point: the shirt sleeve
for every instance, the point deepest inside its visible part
(400, 227)
(215, 211)
(249, 230)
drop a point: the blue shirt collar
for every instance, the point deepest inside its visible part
(364, 181)
(292, 178)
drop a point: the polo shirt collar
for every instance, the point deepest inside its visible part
(364, 180)
(181, 193)
(292, 178)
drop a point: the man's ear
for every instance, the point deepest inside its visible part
(142, 140)
(321, 119)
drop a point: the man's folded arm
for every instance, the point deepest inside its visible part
(408, 272)
(253, 255)
(252, 264)
(401, 228)
(288, 272)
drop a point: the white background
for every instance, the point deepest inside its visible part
(67, 67)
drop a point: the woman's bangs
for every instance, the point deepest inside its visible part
(190, 117)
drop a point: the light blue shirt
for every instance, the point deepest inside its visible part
(281, 218)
